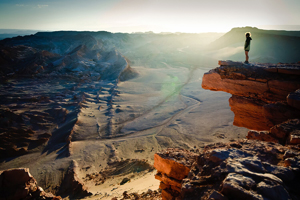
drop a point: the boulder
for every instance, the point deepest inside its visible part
(293, 99)
(238, 186)
(272, 190)
(261, 135)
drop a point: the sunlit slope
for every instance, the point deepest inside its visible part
(267, 45)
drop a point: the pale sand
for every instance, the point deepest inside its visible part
(190, 118)
(140, 183)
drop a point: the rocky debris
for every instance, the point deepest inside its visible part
(149, 195)
(293, 99)
(72, 185)
(263, 95)
(116, 168)
(125, 180)
(287, 133)
(244, 169)
(262, 136)
(172, 166)
(18, 184)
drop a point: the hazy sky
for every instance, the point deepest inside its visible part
(146, 15)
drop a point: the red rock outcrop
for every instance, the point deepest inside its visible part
(267, 82)
(249, 113)
(19, 184)
(263, 95)
(245, 169)
(172, 165)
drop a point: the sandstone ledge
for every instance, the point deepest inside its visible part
(267, 82)
(263, 95)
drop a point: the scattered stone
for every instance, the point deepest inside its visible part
(125, 180)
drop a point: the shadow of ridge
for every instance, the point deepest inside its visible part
(60, 136)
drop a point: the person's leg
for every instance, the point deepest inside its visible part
(247, 57)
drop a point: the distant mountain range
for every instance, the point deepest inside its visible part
(9, 33)
(57, 54)
(146, 49)
(266, 46)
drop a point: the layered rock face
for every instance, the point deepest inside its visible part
(244, 169)
(172, 166)
(263, 95)
(17, 184)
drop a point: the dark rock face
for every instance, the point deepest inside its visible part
(263, 95)
(18, 184)
(24, 60)
(72, 185)
(244, 169)
(16, 136)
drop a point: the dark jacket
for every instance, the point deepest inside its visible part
(247, 44)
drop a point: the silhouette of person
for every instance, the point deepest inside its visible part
(247, 46)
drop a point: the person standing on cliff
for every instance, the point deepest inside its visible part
(247, 46)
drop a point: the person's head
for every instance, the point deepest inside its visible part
(248, 34)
